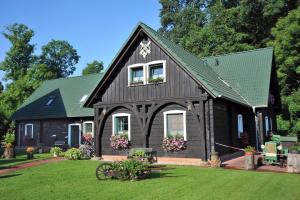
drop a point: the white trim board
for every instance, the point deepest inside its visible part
(69, 133)
(184, 121)
(129, 123)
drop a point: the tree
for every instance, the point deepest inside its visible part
(20, 56)
(286, 42)
(208, 27)
(59, 57)
(93, 67)
(1, 87)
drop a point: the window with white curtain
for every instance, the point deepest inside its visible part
(240, 125)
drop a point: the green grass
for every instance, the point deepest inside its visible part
(76, 180)
(4, 163)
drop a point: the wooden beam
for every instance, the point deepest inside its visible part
(211, 125)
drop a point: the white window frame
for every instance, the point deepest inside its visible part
(84, 125)
(130, 67)
(267, 125)
(240, 126)
(155, 63)
(31, 129)
(129, 123)
(184, 122)
(69, 132)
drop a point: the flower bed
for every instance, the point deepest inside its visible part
(119, 142)
(174, 143)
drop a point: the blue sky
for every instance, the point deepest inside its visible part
(96, 28)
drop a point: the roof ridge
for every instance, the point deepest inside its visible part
(72, 77)
(239, 52)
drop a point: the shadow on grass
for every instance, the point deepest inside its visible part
(13, 160)
(9, 175)
(154, 175)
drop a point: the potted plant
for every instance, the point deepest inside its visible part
(119, 142)
(174, 143)
(249, 157)
(55, 151)
(8, 141)
(29, 151)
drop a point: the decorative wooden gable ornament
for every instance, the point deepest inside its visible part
(145, 49)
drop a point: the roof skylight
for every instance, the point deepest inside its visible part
(83, 98)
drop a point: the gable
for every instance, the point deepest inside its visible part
(178, 83)
(199, 70)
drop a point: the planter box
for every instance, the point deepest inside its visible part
(293, 163)
(249, 161)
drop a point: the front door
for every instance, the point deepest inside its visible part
(74, 135)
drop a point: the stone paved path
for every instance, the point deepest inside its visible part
(238, 163)
(29, 164)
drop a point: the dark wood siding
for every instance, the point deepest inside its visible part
(226, 128)
(178, 83)
(136, 134)
(195, 141)
(44, 129)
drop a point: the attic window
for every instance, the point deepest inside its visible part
(50, 101)
(83, 98)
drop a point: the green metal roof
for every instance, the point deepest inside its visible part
(200, 69)
(67, 92)
(242, 77)
(247, 72)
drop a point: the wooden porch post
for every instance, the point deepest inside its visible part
(97, 135)
(211, 126)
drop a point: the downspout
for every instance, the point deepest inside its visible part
(256, 127)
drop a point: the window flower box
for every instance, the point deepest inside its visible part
(156, 80)
(119, 142)
(174, 144)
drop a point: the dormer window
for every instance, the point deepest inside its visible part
(50, 101)
(156, 71)
(136, 74)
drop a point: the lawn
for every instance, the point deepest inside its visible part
(76, 180)
(4, 163)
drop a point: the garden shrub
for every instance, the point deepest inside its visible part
(130, 169)
(73, 154)
(87, 151)
(56, 150)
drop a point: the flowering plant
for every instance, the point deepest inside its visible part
(174, 143)
(119, 142)
(30, 149)
(87, 139)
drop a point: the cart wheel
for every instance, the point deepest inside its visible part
(103, 171)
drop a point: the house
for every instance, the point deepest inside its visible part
(54, 112)
(154, 88)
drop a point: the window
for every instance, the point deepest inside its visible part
(29, 130)
(83, 98)
(88, 128)
(156, 71)
(142, 73)
(50, 101)
(267, 125)
(136, 74)
(121, 124)
(240, 125)
(175, 123)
